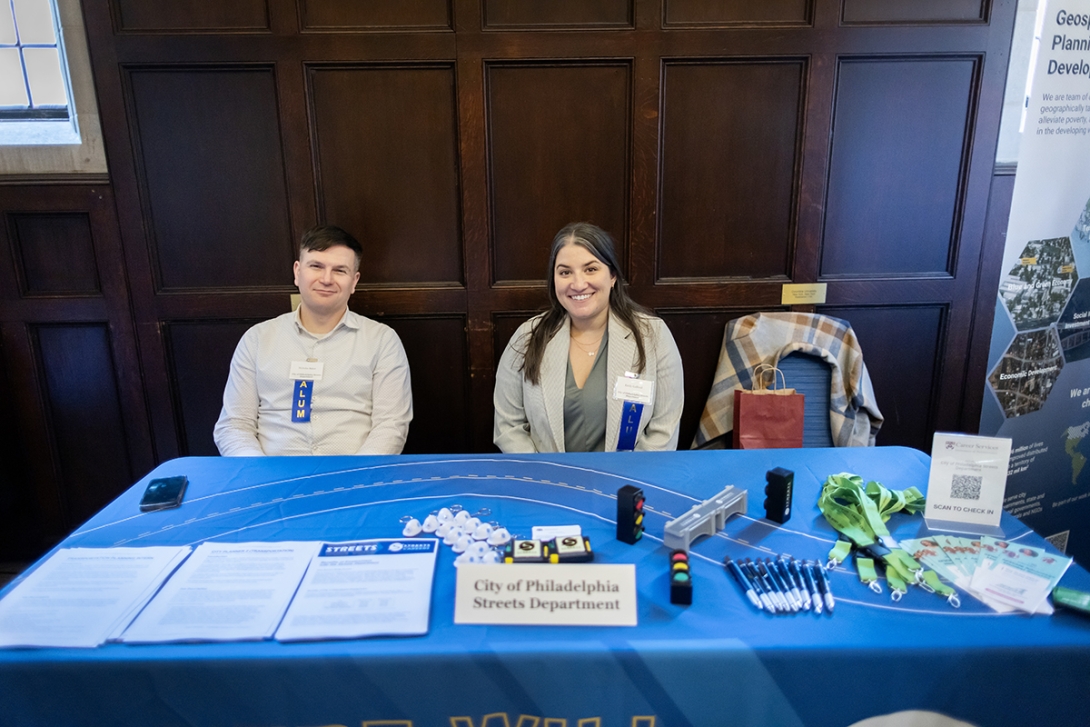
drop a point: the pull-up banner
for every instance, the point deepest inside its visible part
(1038, 387)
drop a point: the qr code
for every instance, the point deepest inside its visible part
(965, 487)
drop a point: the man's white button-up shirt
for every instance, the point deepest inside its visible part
(362, 404)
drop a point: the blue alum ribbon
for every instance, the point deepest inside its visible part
(630, 426)
(300, 409)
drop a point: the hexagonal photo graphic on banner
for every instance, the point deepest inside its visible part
(1074, 324)
(1037, 288)
(1081, 233)
(1024, 376)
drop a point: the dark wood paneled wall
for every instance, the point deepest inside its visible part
(730, 146)
(76, 425)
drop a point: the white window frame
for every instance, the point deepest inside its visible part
(60, 147)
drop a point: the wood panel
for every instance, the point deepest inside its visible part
(725, 13)
(897, 166)
(439, 359)
(901, 348)
(388, 171)
(205, 15)
(558, 13)
(212, 175)
(731, 135)
(77, 430)
(199, 354)
(376, 14)
(19, 529)
(503, 327)
(54, 254)
(916, 11)
(558, 153)
(83, 402)
(995, 237)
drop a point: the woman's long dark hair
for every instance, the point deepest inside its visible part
(599, 243)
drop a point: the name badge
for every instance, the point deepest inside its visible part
(639, 391)
(308, 370)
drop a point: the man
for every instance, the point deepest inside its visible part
(320, 380)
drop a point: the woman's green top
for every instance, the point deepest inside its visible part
(585, 409)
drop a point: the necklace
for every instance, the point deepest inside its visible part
(584, 349)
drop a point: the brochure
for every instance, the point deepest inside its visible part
(1020, 576)
(225, 592)
(364, 588)
(960, 561)
(80, 597)
(928, 552)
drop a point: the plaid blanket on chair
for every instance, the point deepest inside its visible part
(768, 337)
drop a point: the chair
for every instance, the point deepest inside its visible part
(820, 357)
(810, 376)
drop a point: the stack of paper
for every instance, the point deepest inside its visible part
(84, 597)
(1006, 576)
(225, 592)
(364, 588)
(81, 597)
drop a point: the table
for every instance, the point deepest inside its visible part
(717, 662)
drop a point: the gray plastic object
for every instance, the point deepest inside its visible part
(707, 518)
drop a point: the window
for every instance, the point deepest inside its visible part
(35, 94)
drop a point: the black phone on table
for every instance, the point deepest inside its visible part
(164, 493)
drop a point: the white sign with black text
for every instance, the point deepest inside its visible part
(967, 482)
(546, 595)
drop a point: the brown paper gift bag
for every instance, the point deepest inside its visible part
(768, 418)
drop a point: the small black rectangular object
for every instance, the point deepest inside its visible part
(778, 494)
(164, 493)
(629, 514)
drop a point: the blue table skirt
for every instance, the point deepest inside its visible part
(717, 662)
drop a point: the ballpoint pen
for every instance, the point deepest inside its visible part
(775, 587)
(766, 595)
(785, 574)
(770, 566)
(743, 582)
(823, 583)
(811, 585)
(793, 568)
(762, 583)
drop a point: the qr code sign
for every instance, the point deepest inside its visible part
(965, 487)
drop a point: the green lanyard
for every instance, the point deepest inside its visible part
(839, 553)
(868, 576)
(897, 587)
(932, 583)
(859, 512)
(904, 565)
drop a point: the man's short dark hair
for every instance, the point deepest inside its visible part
(323, 237)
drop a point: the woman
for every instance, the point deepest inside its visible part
(596, 372)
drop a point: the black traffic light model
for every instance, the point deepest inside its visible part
(629, 514)
(778, 494)
(681, 580)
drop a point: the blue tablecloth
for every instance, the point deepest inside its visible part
(716, 662)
